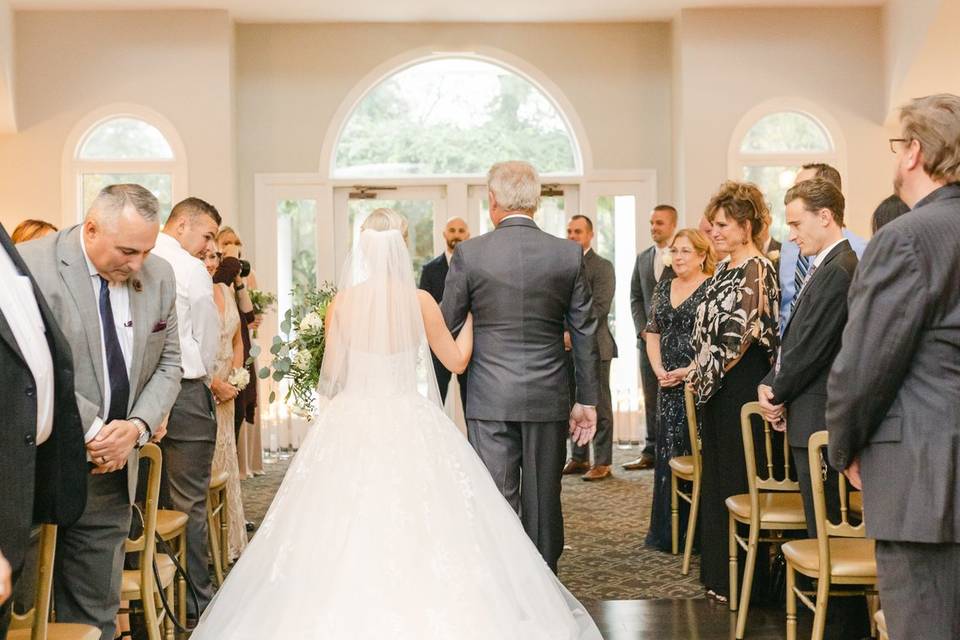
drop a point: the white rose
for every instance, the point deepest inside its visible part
(302, 360)
(311, 323)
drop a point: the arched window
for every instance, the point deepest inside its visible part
(453, 117)
(125, 145)
(770, 146)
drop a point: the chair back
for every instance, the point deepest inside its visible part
(691, 405)
(146, 542)
(37, 618)
(765, 479)
(825, 527)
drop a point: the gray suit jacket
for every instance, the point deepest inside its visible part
(60, 270)
(521, 284)
(642, 285)
(603, 283)
(894, 390)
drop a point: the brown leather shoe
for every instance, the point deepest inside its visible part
(575, 466)
(643, 462)
(599, 472)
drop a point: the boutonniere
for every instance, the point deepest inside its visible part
(667, 259)
(137, 285)
(774, 255)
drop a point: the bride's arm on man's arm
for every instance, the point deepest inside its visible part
(454, 354)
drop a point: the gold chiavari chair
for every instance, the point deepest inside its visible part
(35, 624)
(217, 525)
(772, 505)
(172, 529)
(840, 555)
(687, 468)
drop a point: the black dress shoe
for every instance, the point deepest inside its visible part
(250, 526)
(645, 461)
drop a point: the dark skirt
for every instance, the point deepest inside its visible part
(724, 469)
(673, 439)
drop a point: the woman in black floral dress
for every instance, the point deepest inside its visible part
(735, 341)
(670, 349)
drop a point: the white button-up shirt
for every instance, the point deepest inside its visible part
(120, 305)
(197, 318)
(19, 307)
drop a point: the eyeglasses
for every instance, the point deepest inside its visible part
(895, 141)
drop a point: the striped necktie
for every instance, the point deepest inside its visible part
(799, 277)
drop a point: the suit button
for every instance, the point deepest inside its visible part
(30, 391)
(30, 439)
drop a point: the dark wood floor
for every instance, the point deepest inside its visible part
(697, 619)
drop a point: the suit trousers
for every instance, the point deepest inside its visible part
(526, 461)
(186, 480)
(651, 387)
(603, 440)
(88, 569)
(920, 589)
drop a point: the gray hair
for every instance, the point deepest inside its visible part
(515, 185)
(934, 122)
(384, 219)
(113, 199)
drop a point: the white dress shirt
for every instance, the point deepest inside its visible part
(197, 318)
(825, 252)
(120, 304)
(659, 264)
(19, 307)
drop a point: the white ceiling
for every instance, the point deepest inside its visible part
(434, 10)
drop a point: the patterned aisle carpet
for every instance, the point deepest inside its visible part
(605, 526)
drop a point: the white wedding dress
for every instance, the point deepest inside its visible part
(387, 524)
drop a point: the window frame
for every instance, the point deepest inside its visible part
(74, 167)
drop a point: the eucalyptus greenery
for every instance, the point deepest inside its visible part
(297, 354)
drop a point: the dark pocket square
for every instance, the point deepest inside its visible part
(160, 326)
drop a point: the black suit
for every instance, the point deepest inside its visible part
(432, 280)
(894, 403)
(811, 341)
(45, 483)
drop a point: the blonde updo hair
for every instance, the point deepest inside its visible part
(384, 219)
(743, 202)
(701, 245)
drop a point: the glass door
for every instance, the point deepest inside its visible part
(423, 207)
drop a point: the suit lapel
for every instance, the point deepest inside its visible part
(6, 333)
(138, 314)
(803, 294)
(73, 270)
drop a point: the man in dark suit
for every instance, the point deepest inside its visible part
(115, 304)
(652, 266)
(42, 463)
(794, 394)
(893, 407)
(432, 279)
(520, 283)
(601, 279)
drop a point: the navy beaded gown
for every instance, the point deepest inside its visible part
(675, 327)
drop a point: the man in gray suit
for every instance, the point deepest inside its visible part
(521, 284)
(651, 267)
(893, 407)
(602, 281)
(115, 305)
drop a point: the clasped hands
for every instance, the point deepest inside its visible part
(110, 448)
(672, 378)
(775, 414)
(583, 424)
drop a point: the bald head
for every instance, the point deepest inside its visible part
(455, 232)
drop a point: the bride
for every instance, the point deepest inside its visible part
(387, 524)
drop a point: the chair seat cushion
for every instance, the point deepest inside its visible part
(775, 506)
(682, 466)
(131, 578)
(170, 522)
(849, 557)
(60, 631)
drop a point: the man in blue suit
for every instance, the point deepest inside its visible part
(793, 267)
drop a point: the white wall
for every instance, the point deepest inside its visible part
(732, 60)
(8, 112)
(291, 79)
(177, 63)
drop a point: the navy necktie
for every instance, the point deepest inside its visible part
(116, 366)
(799, 277)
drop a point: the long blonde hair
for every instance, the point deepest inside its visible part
(701, 245)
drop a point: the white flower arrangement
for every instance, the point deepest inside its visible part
(303, 360)
(239, 378)
(312, 323)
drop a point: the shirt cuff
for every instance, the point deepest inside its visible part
(92, 433)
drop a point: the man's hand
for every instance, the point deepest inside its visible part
(110, 449)
(583, 423)
(567, 342)
(771, 412)
(853, 473)
(6, 579)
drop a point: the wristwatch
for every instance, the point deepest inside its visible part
(143, 431)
